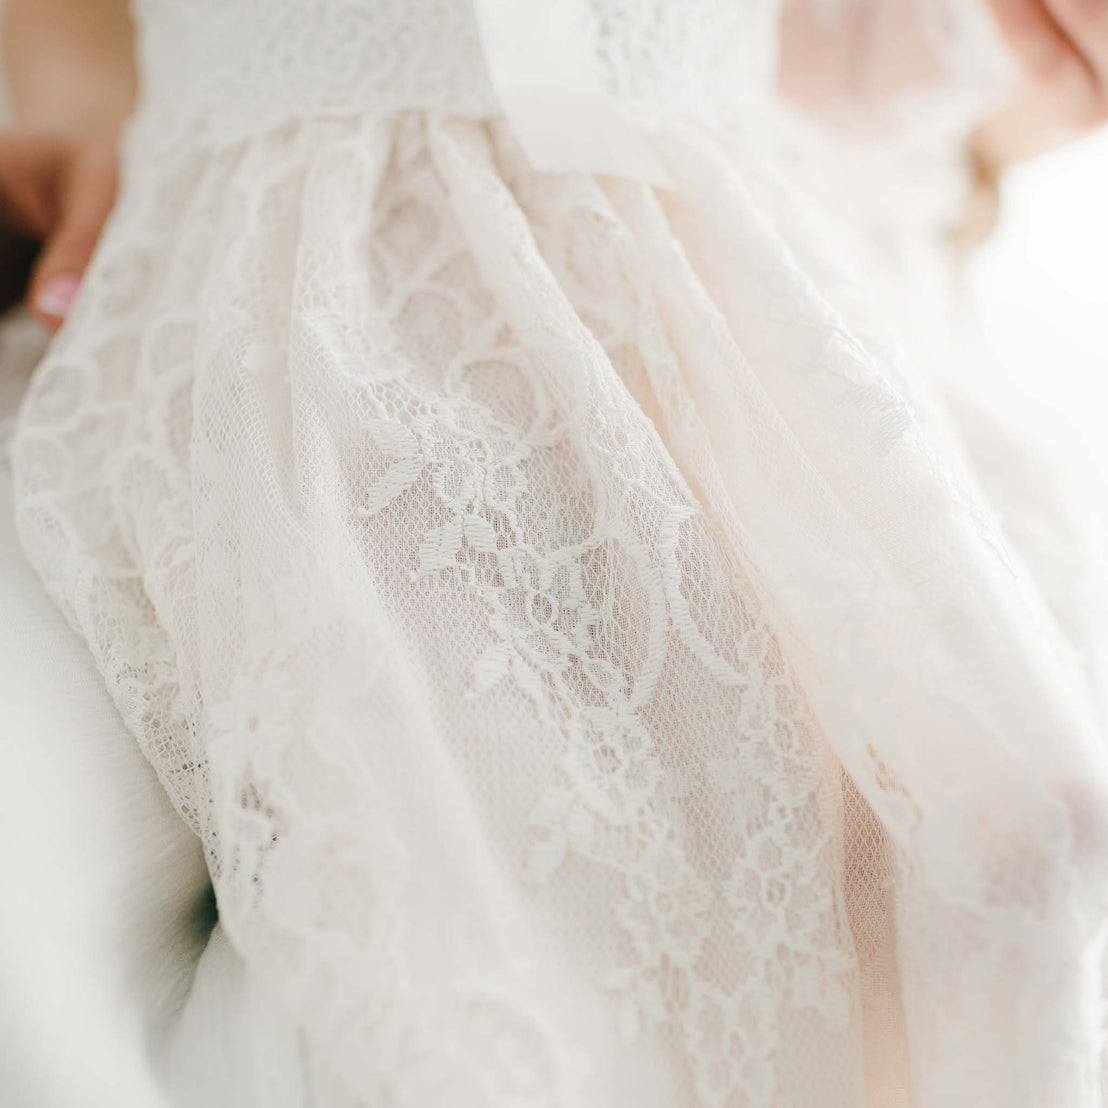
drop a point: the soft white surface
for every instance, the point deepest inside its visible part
(100, 877)
(1041, 290)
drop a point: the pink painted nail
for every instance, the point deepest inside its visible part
(56, 296)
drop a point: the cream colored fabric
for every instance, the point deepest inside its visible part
(559, 607)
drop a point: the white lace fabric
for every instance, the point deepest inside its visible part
(592, 677)
(216, 72)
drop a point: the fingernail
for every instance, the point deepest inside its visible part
(56, 296)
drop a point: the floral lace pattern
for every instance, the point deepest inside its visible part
(533, 557)
(591, 678)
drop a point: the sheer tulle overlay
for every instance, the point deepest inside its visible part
(560, 611)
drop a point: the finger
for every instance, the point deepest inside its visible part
(1048, 54)
(1086, 24)
(88, 195)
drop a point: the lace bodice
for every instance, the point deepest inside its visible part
(222, 70)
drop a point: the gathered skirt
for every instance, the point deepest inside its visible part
(563, 612)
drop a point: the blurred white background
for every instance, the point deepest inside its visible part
(1039, 286)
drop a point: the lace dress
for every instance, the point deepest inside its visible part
(557, 602)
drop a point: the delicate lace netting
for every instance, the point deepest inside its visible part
(556, 607)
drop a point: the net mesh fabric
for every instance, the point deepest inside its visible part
(556, 608)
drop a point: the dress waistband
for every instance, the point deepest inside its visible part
(578, 85)
(233, 71)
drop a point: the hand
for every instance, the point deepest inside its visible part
(1062, 46)
(58, 192)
